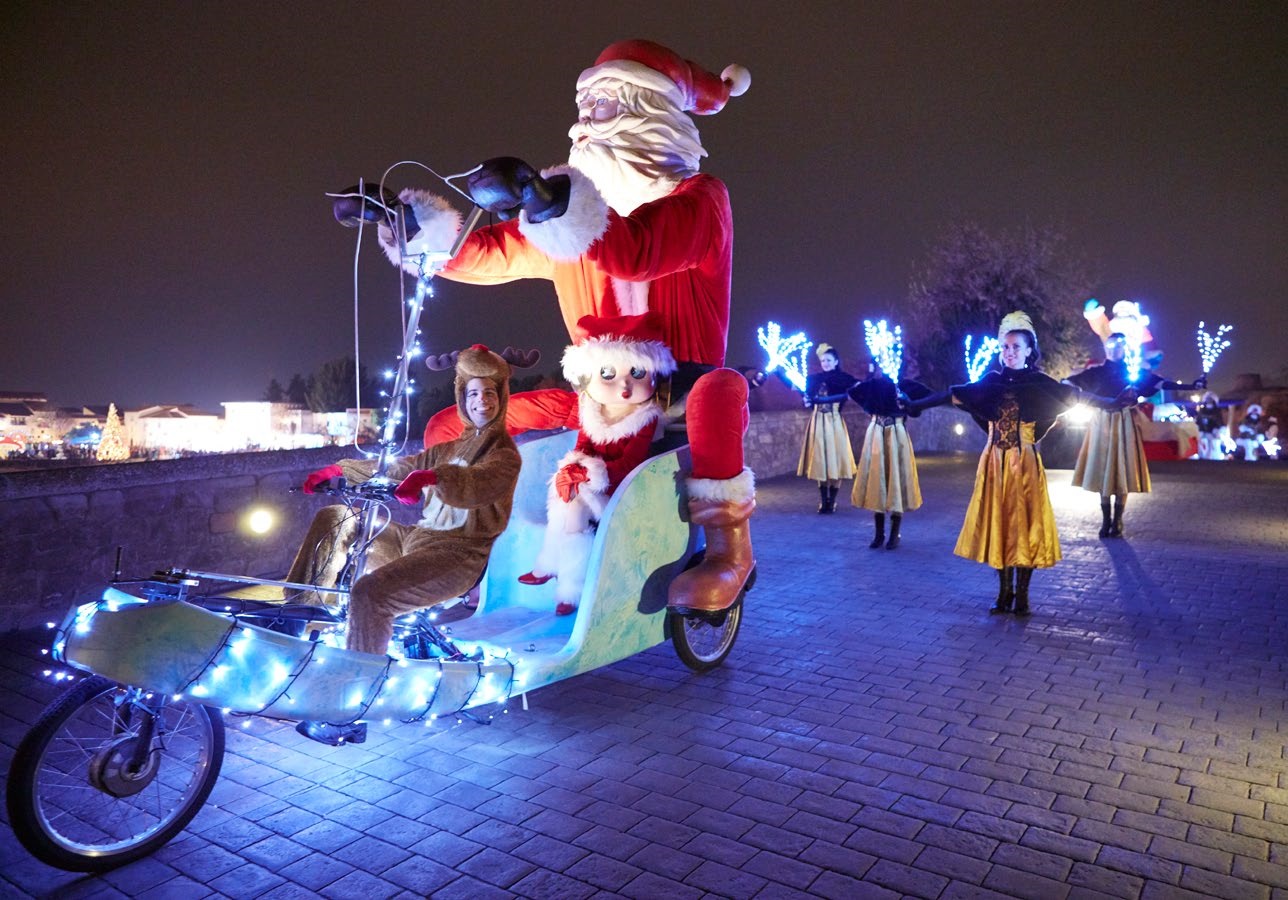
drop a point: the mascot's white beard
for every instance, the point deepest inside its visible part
(636, 157)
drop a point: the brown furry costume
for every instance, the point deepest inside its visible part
(445, 553)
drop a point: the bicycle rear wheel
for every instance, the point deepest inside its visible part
(108, 775)
(703, 642)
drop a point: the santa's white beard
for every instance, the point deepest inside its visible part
(632, 162)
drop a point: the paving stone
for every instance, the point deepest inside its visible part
(1142, 864)
(547, 885)
(1107, 882)
(1213, 884)
(360, 886)
(839, 887)
(246, 881)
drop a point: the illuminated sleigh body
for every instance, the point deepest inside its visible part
(512, 644)
(122, 762)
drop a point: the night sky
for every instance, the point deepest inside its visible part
(167, 240)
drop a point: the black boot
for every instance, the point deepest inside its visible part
(822, 498)
(1106, 518)
(335, 735)
(1005, 593)
(831, 498)
(1116, 529)
(1022, 578)
(895, 519)
(878, 519)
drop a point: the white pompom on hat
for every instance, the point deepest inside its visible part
(1016, 321)
(623, 342)
(652, 66)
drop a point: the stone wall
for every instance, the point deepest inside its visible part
(62, 526)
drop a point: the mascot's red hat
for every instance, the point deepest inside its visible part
(652, 66)
(623, 342)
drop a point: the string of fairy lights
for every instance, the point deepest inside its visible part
(404, 683)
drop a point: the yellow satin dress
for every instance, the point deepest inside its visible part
(826, 454)
(1010, 521)
(1112, 458)
(887, 477)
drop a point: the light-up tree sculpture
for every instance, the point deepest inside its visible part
(1211, 346)
(978, 361)
(791, 354)
(886, 346)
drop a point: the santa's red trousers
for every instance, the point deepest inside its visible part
(715, 415)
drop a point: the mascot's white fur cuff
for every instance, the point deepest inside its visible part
(569, 236)
(439, 223)
(739, 489)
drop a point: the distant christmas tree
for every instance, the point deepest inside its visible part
(113, 447)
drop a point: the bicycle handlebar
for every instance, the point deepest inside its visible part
(371, 490)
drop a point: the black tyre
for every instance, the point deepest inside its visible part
(108, 775)
(703, 641)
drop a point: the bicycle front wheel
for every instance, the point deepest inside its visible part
(109, 774)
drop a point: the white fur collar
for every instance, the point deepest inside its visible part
(601, 432)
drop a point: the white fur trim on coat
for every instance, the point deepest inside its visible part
(439, 223)
(583, 361)
(594, 466)
(567, 237)
(740, 488)
(601, 432)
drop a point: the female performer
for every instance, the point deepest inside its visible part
(886, 482)
(1009, 524)
(826, 455)
(1112, 459)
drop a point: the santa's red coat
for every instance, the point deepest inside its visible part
(673, 255)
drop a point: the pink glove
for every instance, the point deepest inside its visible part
(568, 479)
(322, 475)
(409, 491)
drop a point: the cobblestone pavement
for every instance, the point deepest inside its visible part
(874, 734)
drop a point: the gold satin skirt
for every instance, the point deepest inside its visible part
(826, 454)
(1112, 459)
(887, 477)
(1010, 521)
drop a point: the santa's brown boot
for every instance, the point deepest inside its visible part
(715, 583)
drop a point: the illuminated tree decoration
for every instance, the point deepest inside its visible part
(113, 447)
(1210, 346)
(978, 361)
(886, 347)
(791, 354)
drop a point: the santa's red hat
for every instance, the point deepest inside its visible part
(623, 342)
(649, 65)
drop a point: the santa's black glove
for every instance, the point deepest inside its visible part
(505, 185)
(354, 205)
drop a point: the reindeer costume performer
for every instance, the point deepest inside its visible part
(629, 226)
(467, 489)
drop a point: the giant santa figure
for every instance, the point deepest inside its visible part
(627, 226)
